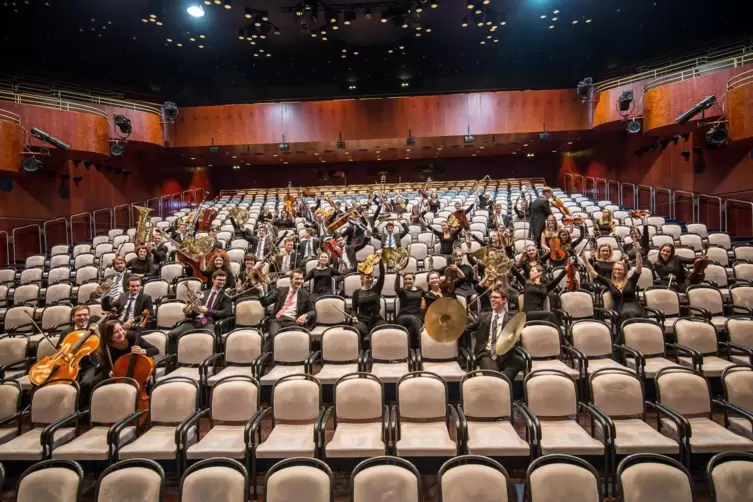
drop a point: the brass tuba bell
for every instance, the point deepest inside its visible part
(143, 226)
(395, 258)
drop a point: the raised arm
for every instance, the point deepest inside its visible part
(380, 282)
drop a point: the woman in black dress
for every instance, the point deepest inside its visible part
(434, 203)
(219, 262)
(624, 291)
(605, 224)
(522, 211)
(459, 275)
(530, 258)
(410, 316)
(367, 301)
(417, 217)
(446, 238)
(117, 342)
(142, 265)
(568, 246)
(436, 291)
(322, 276)
(670, 268)
(602, 262)
(536, 291)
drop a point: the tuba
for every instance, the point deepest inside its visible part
(395, 258)
(143, 226)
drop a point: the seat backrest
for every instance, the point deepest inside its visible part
(550, 394)
(296, 483)
(646, 337)
(541, 340)
(13, 348)
(296, 398)
(421, 397)
(578, 304)
(112, 402)
(358, 397)
(385, 482)
(25, 293)
(170, 313)
(235, 399)
(218, 483)
(249, 312)
(666, 477)
(172, 401)
(486, 395)
(340, 343)
(327, 312)
(243, 346)
(696, 334)
(431, 349)
(475, 482)
(50, 403)
(51, 481)
(55, 315)
(593, 338)
(664, 300)
(692, 240)
(10, 394)
(292, 346)
(740, 331)
(731, 477)
(193, 348)
(716, 273)
(390, 344)
(562, 481)
(157, 289)
(616, 392)
(738, 386)
(706, 297)
(129, 480)
(683, 391)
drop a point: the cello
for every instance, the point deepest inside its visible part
(136, 366)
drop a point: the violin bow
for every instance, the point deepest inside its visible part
(31, 318)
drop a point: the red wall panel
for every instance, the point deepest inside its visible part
(11, 144)
(740, 113)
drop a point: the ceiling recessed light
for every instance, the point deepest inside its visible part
(551, 26)
(179, 45)
(495, 40)
(202, 36)
(159, 23)
(269, 55)
(502, 23)
(144, 20)
(543, 16)
(193, 158)
(483, 42)
(169, 39)
(575, 22)
(554, 19)
(588, 20)
(569, 142)
(201, 47)
(556, 12)
(192, 39)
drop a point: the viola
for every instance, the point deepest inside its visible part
(330, 245)
(698, 274)
(557, 252)
(136, 366)
(561, 206)
(571, 273)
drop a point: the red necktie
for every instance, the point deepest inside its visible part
(287, 304)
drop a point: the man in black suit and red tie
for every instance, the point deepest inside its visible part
(292, 305)
(487, 330)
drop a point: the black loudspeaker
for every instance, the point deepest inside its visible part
(64, 191)
(699, 166)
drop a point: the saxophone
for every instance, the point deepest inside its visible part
(143, 226)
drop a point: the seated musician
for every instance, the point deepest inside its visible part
(389, 238)
(249, 278)
(286, 220)
(459, 207)
(347, 261)
(461, 274)
(446, 238)
(322, 276)
(133, 302)
(417, 217)
(338, 207)
(159, 249)
(292, 306)
(367, 300)
(118, 341)
(354, 233)
(536, 291)
(142, 265)
(522, 209)
(566, 244)
(411, 298)
(321, 221)
(486, 329)
(242, 233)
(605, 224)
(397, 206)
(484, 201)
(265, 215)
(530, 258)
(285, 261)
(212, 232)
(550, 232)
(87, 375)
(119, 281)
(306, 211)
(602, 262)
(670, 268)
(261, 245)
(437, 290)
(215, 306)
(181, 233)
(307, 247)
(219, 262)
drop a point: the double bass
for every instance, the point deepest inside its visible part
(136, 366)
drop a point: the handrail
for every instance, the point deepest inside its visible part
(726, 212)
(58, 104)
(712, 197)
(7, 247)
(670, 201)
(698, 71)
(107, 210)
(740, 79)
(606, 188)
(47, 246)
(15, 244)
(634, 202)
(673, 206)
(10, 117)
(115, 215)
(91, 229)
(651, 200)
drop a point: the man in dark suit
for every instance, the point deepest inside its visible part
(307, 212)
(215, 306)
(540, 209)
(486, 330)
(285, 261)
(307, 248)
(133, 303)
(497, 220)
(348, 262)
(261, 245)
(292, 306)
(354, 234)
(389, 238)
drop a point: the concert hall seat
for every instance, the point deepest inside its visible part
(593, 339)
(649, 473)
(113, 401)
(741, 298)
(472, 478)
(171, 271)
(169, 313)
(740, 333)
(576, 305)
(737, 382)
(486, 416)
(13, 360)
(730, 476)
(743, 251)
(50, 402)
(10, 411)
(340, 354)
(196, 358)
(707, 302)
(157, 289)
(663, 303)
(555, 478)
(544, 348)
(128, 480)
(444, 359)
(173, 424)
(241, 353)
(248, 313)
(329, 312)
(51, 481)
(384, 478)
(215, 479)
(31, 276)
(693, 240)
(684, 394)
(183, 284)
(361, 420)
(290, 355)
(421, 420)
(698, 347)
(298, 479)
(389, 357)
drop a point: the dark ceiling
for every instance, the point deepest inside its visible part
(107, 43)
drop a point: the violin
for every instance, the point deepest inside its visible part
(66, 362)
(698, 274)
(561, 206)
(556, 251)
(572, 220)
(571, 273)
(136, 366)
(330, 245)
(367, 266)
(461, 220)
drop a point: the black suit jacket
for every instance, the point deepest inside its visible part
(222, 308)
(540, 209)
(480, 329)
(302, 248)
(143, 302)
(293, 262)
(303, 305)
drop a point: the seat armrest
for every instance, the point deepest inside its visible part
(704, 313)
(606, 419)
(206, 363)
(463, 424)
(418, 362)
(412, 361)
(113, 433)
(17, 417)
(579, 356)
(254, 426)
(535, 423)
(459, 431)
(321, 429)
(683, 426)
(567, 319)
(640, 359)
(526, 357)
(736, 346)
(530, 425)
(739, 309)
(610, 314)
(696, 356)
(386, 427)
(19, 364)
(660, 317)
(394, 426)
(747, 415)
(181, 432)
(311, 359)
(466, 359)
(47, 437)
(261, 361)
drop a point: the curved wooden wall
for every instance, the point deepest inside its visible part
(740, 113)
(382, 118)
(11, 143)
(147, 127)
(606, 114)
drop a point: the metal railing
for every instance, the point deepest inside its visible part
(7, 116)
(738, 202)
(15, 239)
(699, 71)
(47, 102)
(7, 247)
(740, 79)
(47, 244)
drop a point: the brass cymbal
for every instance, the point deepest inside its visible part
(445, 320)
(511, 334)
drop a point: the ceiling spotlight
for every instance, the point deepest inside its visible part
(428, 28)
(195, 10)
(384, 18)
(625, 101)
(470, 4)
(43, 136)
(405, 23)
(705, 104)
(717, 135)
(340, 143)
(123, 123)
(241, 34)
(588, 20)
(556, 12)
(249, 12)
(299, 9)
(170, 110)
(227, 4)
(264, 15)
(464, 24)
(434, 5)
(349, 17)
(633, 127)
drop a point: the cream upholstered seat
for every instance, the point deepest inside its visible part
(10, 401)
(243, 348)
(43, 350)
(618, 394)
(709, 298)
(216, 479)
(561, 478)
(50, 403)
(195, 352)
(292, 349)
(422, 412)
(686, 393)
(296, 405)
(51, 481)
(552, 395)
(173, 405)
(339, 355)
(13, 361)
(644, 348)
(643, 474)
(440, 358)
(542, 341)
(389, 357)
(666, 302)
(385, 478)
(298, 479)
(594, 340)
(700, 337)
(327, 314)
(127, 480)
(471, 478)
(738, 391)
(360, 417)
(740, 332)
(486, 414)
(112, 402)
(249, 312)
(731, 477)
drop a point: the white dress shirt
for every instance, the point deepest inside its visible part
(500, 322)
(293, 307)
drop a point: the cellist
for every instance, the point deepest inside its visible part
(119, 342)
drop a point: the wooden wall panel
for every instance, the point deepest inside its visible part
(228, 125)
(11, 144)
(740, 113)
(147, 127)
(86, 133)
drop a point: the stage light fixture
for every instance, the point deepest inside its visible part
(123, 123)
(170, 110)
(43, 136)
(717, 135)
(228, 4)
(195, 10)
(385, 17)
(31, 164)
(464, 23)
(470, 4)
(584, 87)
(625, 101)
(633, 127)
(117, 149)
(703, 105)
(468, 138)
(284, 147)
(340, 142)
(248, 12)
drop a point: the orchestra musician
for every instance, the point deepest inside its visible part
(219, 262)
(605, 223)
(263, 244)
(530, 258)
(436, 291)
(498, 221)
(159, 249)
(566, 244)
(347, 261)
(285, 261)
(119, 281)
(132, 303)
(411, 297)
(306, 211)
(367, 301)
(522, 213)
(389, 238)
(248, 278)
(446, 238)
(181, 232)
(118, 341)
(540, 211)
(603, 262)
(536, 291)
(354, 233)
(550, 232)
(87, 375)
(322, 275)
(308, 247)
(285, 220)
(670, 268)
(141, 265)
(292, 307)
(462, 273)
(242, 233)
